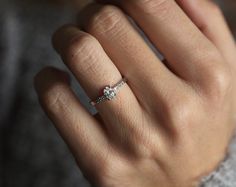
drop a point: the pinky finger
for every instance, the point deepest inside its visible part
(81, 131)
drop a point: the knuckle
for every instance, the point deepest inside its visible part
(108, 170)
(219, 82)
(180, 114)
(55, 99)
(179, 111)
(107, 166)
(106, 20)
(181, 117)
(79, 44)
(81, 51)
(153, 6)
(215, 77)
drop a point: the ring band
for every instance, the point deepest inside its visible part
(109, 92)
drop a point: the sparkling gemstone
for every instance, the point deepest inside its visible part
(109, 93)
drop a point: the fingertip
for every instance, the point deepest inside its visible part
(49, 75)
(62, 34)
(88, 11)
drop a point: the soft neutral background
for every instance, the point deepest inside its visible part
(31, 152)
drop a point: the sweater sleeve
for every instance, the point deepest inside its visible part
(225, 174)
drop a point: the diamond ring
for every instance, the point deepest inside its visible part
(109, 92)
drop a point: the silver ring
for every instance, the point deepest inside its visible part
(109, 92)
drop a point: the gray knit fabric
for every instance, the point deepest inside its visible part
(32, 153)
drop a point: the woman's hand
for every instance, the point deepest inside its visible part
(173, 120)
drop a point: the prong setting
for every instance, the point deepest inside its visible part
(109, 92)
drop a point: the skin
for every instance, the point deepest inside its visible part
(172, 122)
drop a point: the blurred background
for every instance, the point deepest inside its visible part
(31, 152)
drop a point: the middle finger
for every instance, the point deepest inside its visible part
(188, 52)
(148, 77)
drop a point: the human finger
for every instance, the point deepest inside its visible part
(188, 52)
(94, 70)
(131, 55)
(209, 19)
(83, 134)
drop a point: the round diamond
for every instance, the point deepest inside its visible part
(109, 93)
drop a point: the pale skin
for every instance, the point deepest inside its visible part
(172, 122)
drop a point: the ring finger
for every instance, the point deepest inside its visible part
(85, 57)
(148, 77)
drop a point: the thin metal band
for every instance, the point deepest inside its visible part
(115, 89)
(119, 84)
